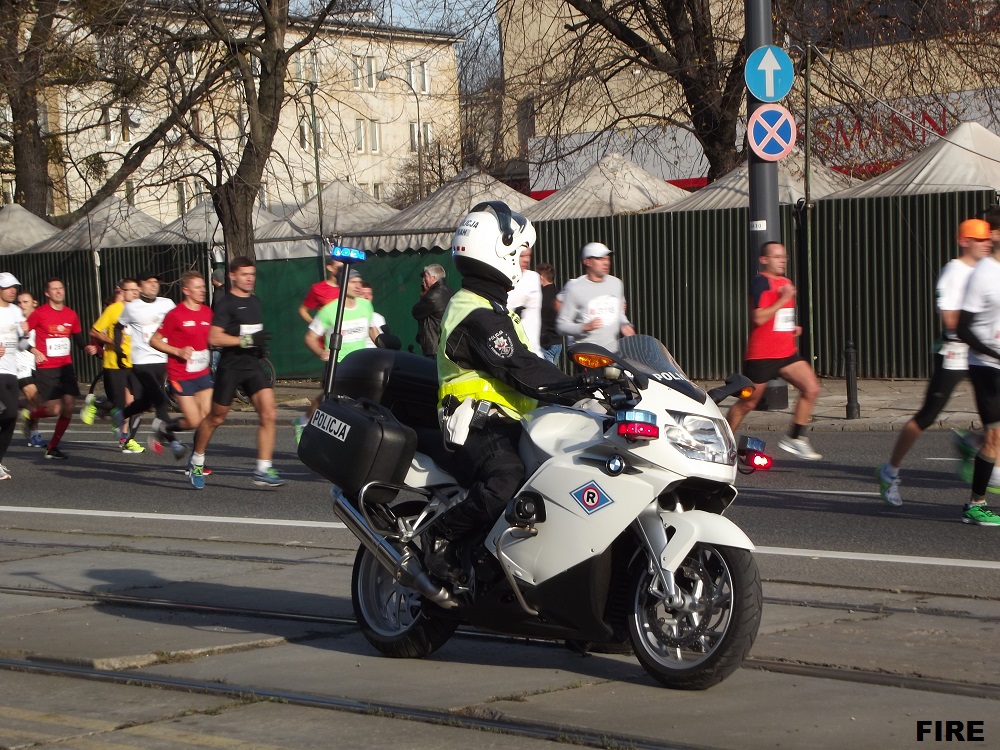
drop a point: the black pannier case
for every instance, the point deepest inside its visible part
(352, 443)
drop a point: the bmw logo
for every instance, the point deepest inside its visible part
(615, 465)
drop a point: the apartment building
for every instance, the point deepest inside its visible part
(361, 99)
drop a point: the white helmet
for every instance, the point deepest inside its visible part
(494, 235)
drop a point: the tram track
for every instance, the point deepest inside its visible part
(821, 671)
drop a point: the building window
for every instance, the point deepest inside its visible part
(126, 123)
(196, 123)
(374, 136)
(377, 191)
(106, 122)
(182, 198)
(359, 136)
(414, 142)
(363, 71)
(307, 190)
(7, 190)
(130, 192)
(304, 133)
(418, 76)
(314, 66)
(425, 135)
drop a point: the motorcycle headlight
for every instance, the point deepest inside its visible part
(700, 438)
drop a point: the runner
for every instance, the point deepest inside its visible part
(26, 374)
(142, 317)
(11, 335)
(237, 327)
(183, 337)
(119, 382)
(951, 358)
(979, 327)
(56, 325)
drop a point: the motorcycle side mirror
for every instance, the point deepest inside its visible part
(735, 385)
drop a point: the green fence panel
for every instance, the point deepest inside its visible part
(876, 264)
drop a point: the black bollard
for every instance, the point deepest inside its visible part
(851, 360)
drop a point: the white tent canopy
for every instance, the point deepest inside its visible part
(432, 222)
(346, 208)
(201, 224)
(19, 228)
(733, 189)
(615, 185)
(967, 158)
(113, 222)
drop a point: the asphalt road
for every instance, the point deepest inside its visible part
(828, 505)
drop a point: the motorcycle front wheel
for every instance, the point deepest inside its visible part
(705, 639)
(392, 617)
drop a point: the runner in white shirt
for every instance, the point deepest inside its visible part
(979, 327)
(951, 357)
(526, 300)
(26, 373)
(142, 318)
(11, 334)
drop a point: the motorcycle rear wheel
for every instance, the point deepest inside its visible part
(393, 618)
(706, 639)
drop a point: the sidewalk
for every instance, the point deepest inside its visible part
(884, 405)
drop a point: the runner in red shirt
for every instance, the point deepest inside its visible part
(773, 351)
(183, 337)
(56, 326)
(322, 293)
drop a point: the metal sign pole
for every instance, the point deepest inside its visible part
(347, 256)
(765, 221)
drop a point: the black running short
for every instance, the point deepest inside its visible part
(986, 385)
(55, 382)
(765, 370)
(228, 378)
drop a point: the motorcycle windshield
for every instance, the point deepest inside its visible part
(649, 356)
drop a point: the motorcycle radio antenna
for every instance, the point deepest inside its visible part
(347, 256)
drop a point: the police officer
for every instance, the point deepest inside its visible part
(484, 364)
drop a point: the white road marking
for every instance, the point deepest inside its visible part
(783, 551)
(871, 557)
(174, 517)
(769, 491)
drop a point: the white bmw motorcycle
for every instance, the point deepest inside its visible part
(616, 537)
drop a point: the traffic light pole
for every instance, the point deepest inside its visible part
(765, 221)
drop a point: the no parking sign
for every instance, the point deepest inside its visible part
(771, 132)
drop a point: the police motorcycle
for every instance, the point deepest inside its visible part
(617, 536)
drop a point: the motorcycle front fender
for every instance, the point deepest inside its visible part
(673, 534)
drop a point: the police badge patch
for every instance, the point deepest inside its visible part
(501, 344)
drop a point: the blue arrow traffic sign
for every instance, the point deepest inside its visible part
(769, 73)
(771, 132)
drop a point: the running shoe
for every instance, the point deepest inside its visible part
(299, 423)
(980, 515)
(89, 411)
(205, 471)
(198, 477)
(888, 487)
(130, 446)
(4, 472)
(37, 441)
(966, 443)
(178, 449)
(55, 453)
(267, 478)
(26, 423)
(966, 468)
(155, 444)
(799, 447)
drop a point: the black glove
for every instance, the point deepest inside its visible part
(258, 339)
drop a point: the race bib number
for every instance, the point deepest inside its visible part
(8, 336)
(198, 361)
(956, 355)
(57, 348)
(784, 320)
(605, 309)
(247, 329)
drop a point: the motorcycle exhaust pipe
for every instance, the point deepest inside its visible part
(403, 566)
